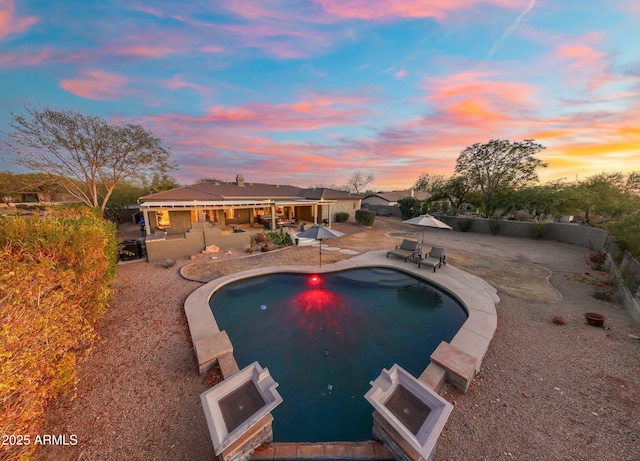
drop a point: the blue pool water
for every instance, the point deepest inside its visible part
(325, 337)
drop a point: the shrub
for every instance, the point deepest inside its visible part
(55, 281)
(538, 230)
(280, 239)
(494, 225)
(365, 217)
(465, 226)
(342, 217)
(410, 207)
(603, 283)
(627, 234)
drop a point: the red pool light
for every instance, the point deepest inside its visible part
(314, 279)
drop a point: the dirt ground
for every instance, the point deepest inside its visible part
(544, 392)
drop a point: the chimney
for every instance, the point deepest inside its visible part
(240, 180)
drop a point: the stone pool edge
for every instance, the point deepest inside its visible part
(476, 295)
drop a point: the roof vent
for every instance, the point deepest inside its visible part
(240, 180)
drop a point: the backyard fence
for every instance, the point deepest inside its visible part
(630, 269)
(629, 273)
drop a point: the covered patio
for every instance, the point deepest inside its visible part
(180, 228)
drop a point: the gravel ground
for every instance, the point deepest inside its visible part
(545, 391)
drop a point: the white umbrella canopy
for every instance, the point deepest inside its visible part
(320, 233)
(425, 221)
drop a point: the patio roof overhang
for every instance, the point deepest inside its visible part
(218, 204)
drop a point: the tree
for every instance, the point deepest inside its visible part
(429, 183)
(608, 195)
(359, 181)
(409, 207)
(499, 165)
(85, 154)
(550, 198)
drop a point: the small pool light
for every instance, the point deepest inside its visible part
(314, 279)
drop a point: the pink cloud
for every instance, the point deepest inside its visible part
(311, 113)
(400, 74)
(382, 9)
(97, 85)
(25, 58)
(284, 41)
(177, 82)
(473, 99)
(212, 49)
(10, 23)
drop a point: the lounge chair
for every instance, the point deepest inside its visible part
(439, 253)
(405, 250)
(435, 258)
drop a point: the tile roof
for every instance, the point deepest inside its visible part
(230, 191)
(395, 195)
(327, 194)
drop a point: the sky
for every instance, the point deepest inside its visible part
(306, 92)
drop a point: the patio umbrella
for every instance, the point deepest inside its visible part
(425, 221)
(320, 233)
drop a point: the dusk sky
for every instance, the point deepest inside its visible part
(305, 92)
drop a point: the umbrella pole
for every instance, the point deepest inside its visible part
(320, 252)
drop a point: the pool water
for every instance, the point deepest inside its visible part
(325, 337)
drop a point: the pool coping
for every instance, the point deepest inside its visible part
(476, 295)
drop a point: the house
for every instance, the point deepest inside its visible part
(386, 203)
(222, 213)
(391, 198)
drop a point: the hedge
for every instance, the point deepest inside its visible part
(341, 216)
(55, 281)
(365, 217)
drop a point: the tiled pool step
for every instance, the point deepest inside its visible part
(325, 450)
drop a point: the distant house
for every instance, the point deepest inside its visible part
(391, 198)
(220, 213)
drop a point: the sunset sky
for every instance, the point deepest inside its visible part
(305, 92)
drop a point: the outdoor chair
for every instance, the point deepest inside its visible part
(435, 258)
(406, 249)
(439, 253)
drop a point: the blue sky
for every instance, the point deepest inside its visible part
(306, 92)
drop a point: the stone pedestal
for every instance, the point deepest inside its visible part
(460, 367)
(409, 414)
(211, 348)
(238, 412)
(244, 446)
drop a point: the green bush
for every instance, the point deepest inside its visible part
(465, 226)
(627, 234)
(280, 239)
(494, 225)
(538, 230)
(342, 216)
(55, 281)
(365, 217)
(410, 207)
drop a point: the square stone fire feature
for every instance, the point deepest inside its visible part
(409, 415)
(238, 412)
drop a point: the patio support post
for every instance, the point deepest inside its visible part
(147, 226)
(273, 217)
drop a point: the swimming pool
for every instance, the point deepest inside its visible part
(325, 337)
